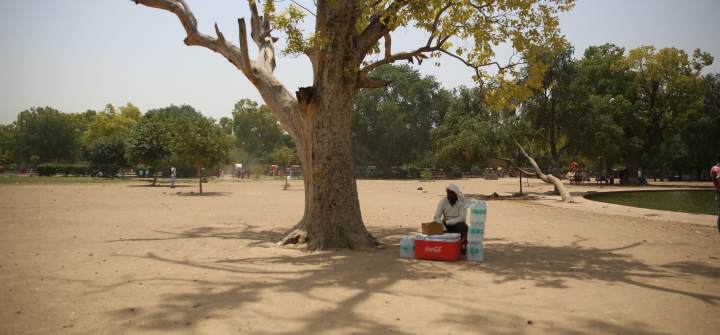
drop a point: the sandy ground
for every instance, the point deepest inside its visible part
(133, 259)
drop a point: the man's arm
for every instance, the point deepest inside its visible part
(714, 176)
(438, 212)
(461, 218)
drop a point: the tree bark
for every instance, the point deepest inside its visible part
(318, 117)
(550, 179)
(156, 174)
(633, 165)
(199, 176)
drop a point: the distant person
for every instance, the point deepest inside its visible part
(238, 174)
(173, 174)
(242, 174)
(452, 211)
(248, 173)
(715, 176)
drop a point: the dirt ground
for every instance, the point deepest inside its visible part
(134, 259)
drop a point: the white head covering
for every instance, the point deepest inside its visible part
(462, 200)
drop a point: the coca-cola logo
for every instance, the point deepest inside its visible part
(433, 249)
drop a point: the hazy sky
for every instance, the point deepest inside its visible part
(75, 55)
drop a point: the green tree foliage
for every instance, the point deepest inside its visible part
(256, 130)
(49, 134)
(199, 141)
(5, 158)
(391, 125)
(285, 155)
(149, 142)
(646, 92)
(700, 127)
(9, 137)
(173, 112)
(109, 151)
(227, 125)
(150, 139)
(472, 133)
(131, 112)
(554, 109)
(109, 122)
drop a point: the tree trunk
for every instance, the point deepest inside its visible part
(332, 215)
(550, 179)
(199, 177)
(633, 165)
(387, 169)
(156, 173)
(318, 117)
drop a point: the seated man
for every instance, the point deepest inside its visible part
(452, 211)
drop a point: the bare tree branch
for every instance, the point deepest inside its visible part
(550, 179)
(281, 102)
(510, 161)
(377, 28)
(399, 56)
(435, 22)
(301, 6)
(244, 51)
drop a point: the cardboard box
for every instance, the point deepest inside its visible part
(432, 228)
(438, 251)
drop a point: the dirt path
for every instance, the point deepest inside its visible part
(132, 259)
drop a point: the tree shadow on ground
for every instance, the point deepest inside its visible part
(204, 194)
(363, 274)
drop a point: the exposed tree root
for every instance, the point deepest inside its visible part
(359, 241)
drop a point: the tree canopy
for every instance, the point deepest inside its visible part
(48, 134)
(109, 121)
(256, 130)
(199, 141)
(391, 125)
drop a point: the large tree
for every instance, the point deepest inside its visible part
(109, 122)
(472, 133)
(646, 92)
(256, 130)
(700, 128)
(346, 33)
(392, 124)
(8, 142)
(199, 141)
(48, 134)
(554, 108)
(109, 151)
(149, 142)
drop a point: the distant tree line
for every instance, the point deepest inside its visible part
(645, 109)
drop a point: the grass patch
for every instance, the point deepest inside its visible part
(64, 180)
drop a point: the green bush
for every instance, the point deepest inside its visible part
(76, 170)
(47, 170)
(425, 175)
(64, 169)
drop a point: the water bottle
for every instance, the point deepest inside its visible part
(482, 211)
(472, 232)
(480, 232)
(475, 252)
(407, 247)
(474, 212)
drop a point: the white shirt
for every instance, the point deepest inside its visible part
(451, 213)
(172, 171)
